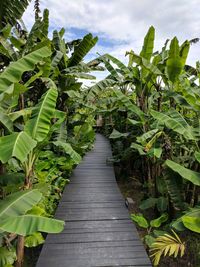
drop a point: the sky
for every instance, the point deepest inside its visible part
(122, 24)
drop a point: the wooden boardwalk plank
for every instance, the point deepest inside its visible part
(98, 231)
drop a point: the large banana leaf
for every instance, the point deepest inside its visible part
(139, 148)
(28, 224)
(39, 31)
(114, 72)
(12, 10)
(61, 133)
(174, 122)
(80, 75)
(69, 150)
(144, 137)
(60, 117)
(6, 121)
(187, 174)
(39, 124)
(25, 113)
(148, 44)
(82, 49)
(143, 62)
(45, 23)
(189, 220)
(17, 43)
(174, 63)
(192, 213)
(19, 203)
(174, 186)
(184, 50)
(12, 92)
(128, 104)
(100, 86)
(59, 45)
(14, 71)
(117, 62)
(192, 223)
(147, 50)
(7, 49)
(56, 60)
(16, 145)
(111, 69)
(116, 134)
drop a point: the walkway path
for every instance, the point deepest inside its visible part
(98, 231)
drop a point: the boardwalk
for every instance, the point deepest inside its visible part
(98, 231)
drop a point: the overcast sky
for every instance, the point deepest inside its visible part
(122, 24)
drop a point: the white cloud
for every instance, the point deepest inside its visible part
(127, 21)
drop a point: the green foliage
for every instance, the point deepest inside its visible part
(140, 220)
(76, 158)
(40, 140)
(151, 202)
(39, 124)
(174, 62)
(128, 104)
(116, 134)
(187, 174)
(11, 11)
(6, 121)
(150, 110)
(16, 145)
(192, 223)
(34, 240)
(148, 203)
(82, 49)
(175, 122)
(7, 257)
(158, 221)
(12, 74)
(148, 44)
(19, 203)
(28, 224)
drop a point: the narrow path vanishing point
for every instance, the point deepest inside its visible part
(98, 230)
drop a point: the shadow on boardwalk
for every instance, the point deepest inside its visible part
(98, 231)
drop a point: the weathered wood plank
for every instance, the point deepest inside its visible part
(98, 231)
(93, 262)
(81, 205)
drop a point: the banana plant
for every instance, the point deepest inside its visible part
(144, 90)
(14, 219)
(21, 145)
(24, 147)
(12, 11)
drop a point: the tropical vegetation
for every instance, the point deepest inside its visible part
(45, 126)
(150, 107)
(152, 118)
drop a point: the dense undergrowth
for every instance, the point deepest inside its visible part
(150, 109)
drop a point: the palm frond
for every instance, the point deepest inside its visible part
(167, 244)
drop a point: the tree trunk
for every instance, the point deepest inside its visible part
(20, 251)
(21, 102)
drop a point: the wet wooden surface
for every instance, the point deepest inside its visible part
(98, 230)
